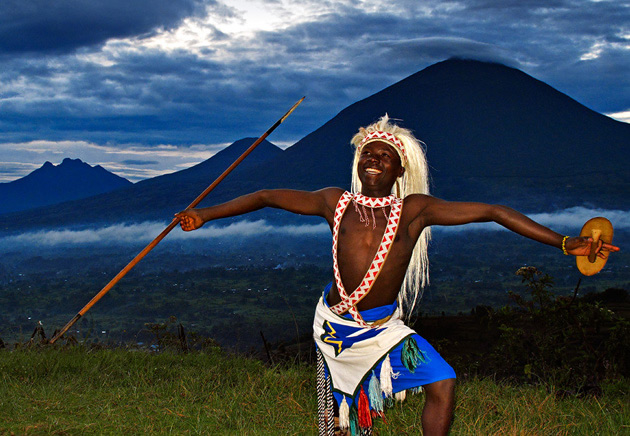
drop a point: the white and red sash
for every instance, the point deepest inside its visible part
(348, 302)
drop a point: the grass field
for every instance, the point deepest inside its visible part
(117, 391)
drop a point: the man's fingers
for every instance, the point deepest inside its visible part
(186, 223)
(610, 247)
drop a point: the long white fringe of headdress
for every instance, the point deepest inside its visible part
(415, 180)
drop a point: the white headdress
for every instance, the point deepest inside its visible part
(415, 180)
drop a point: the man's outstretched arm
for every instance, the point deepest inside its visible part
(434, 211)
(318, 203)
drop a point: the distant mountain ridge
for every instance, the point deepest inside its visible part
(155, 198)
(492, 133)
(50, 184)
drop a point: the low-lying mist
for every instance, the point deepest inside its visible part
(122, 233)
(568, 221)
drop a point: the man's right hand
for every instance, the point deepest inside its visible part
(189, 220)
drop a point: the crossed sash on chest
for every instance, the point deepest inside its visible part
(349, 301)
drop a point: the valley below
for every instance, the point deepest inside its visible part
(235, 290)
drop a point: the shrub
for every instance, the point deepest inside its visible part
(568, 342)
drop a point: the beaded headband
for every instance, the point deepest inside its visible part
(377, 135)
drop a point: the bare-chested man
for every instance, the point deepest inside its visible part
(380, 232)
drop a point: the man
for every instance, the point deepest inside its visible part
(380, 237)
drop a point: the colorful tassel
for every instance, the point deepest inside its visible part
(400, 396)
(354, 422)
(376, 414)
(417, 390)
(411, 355)
(386, 377)
(344, 415)
(365, 419)
(375, 394)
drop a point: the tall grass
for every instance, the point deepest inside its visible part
(116, 391)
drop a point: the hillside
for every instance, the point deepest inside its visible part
(484, 124)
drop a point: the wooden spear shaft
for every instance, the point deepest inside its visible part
(170, 227)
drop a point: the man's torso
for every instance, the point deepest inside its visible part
(357, 245)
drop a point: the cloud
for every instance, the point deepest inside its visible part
(132, 161)
(621, 116)
(568, 220)
(137, 162)
(66, 25)
(188, 72)
(433, 48)
(147, 231)
(14, 170)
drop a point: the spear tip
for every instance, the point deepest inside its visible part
(292, 109)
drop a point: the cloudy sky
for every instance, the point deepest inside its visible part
(144, 87)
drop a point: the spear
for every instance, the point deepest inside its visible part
(170, 227)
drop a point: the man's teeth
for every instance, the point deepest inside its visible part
(372, 171)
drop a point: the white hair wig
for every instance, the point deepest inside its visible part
(415, 180)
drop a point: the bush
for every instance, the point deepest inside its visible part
(570, 343)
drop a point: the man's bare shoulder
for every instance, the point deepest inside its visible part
(331, 194)
(417, 201)
(417, 206)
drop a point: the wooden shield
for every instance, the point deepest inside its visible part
(596, 228)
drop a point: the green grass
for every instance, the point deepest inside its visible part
(485, 407)
(124, 392)
(116, 391)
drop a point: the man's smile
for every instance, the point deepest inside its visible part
(373, 171)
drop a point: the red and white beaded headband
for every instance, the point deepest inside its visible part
(378, 135)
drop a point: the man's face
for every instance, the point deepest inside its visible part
(379, 165)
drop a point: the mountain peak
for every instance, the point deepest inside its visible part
(69, 161)
(477, 119)
(264, 152)
(72, 179)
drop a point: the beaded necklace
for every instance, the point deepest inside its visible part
(371, 203)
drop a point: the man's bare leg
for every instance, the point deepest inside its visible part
(438, 407)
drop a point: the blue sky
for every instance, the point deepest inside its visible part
(146, 87)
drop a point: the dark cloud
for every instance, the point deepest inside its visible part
(65, 25)
(550, 40)
(237, 86)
